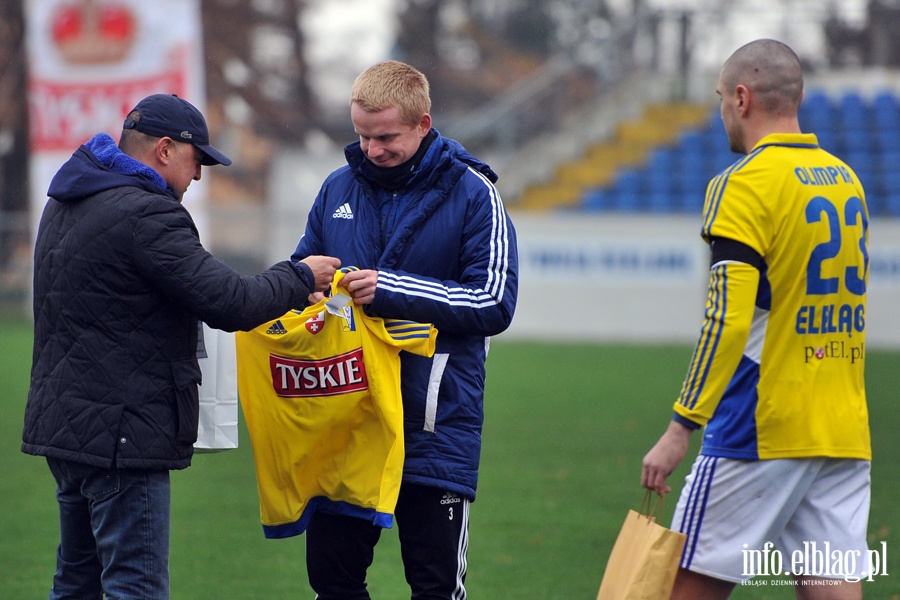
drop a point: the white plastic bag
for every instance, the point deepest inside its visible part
(218, 424)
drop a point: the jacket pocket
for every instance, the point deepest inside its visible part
(438, 364)
(186, 376)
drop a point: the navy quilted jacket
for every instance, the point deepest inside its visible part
(120, 281)
(445, 252)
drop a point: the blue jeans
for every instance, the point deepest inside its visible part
(114, 533)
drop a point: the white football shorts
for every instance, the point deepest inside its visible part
(801, 517)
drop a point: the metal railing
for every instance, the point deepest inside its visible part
(673, 50)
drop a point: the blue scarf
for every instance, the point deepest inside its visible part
(105, 150)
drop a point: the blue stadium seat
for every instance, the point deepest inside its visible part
(816, 101)
(626, 201)
(829, 139)
(891, 205)
(816, 111)
(627, 180)
(692, 142)
(689, 165)
(626, 191)
(876, 205)
(866, 134)
(886, 111)
(854, 112)
(658, 173)
(809, 125)
(857, 142)
(872, 181)
(661, 202)
(701, 155)
(860, 160)
(723, 159)
(660, 158)
(658, 180)
(720, 151)
(690, 203)
(692, 181)
(886, 139)
(889, 182)
(715, 129)
(596, 199)
(888, 160)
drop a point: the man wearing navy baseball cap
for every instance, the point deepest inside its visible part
(162, 115)
(121, 282)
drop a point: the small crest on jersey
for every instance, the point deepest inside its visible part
(340, 305)
(315, 323)
(348, 323)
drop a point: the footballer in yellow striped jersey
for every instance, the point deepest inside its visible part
(776, 381)
(790, 382)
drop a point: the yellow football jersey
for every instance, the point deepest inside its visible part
(778, 370)
(320, 392)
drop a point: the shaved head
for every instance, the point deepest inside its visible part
(771, 70)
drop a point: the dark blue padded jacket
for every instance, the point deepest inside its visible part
(120, 281)
(445, 251)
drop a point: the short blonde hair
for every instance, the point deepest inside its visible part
(393, 84)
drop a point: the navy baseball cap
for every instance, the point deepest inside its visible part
(167, 115)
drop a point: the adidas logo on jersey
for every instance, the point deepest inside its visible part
(343, 212)
(276, 329)
(450, 498)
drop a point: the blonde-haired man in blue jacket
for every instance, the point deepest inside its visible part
(423, 221)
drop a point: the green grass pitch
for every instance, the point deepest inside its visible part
(566, 428)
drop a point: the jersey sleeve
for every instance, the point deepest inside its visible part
(730, 307)
(417, 338)
(734, 226)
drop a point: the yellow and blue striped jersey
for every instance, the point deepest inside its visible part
(778, 370)
(320, 392)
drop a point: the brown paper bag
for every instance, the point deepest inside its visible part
(644, 559)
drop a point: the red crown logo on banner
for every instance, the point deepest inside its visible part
(93, 32)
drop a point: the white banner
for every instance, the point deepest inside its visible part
(614, 278)
(91, 61)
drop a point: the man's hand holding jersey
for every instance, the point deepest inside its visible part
(361, 285)
(323, 269)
